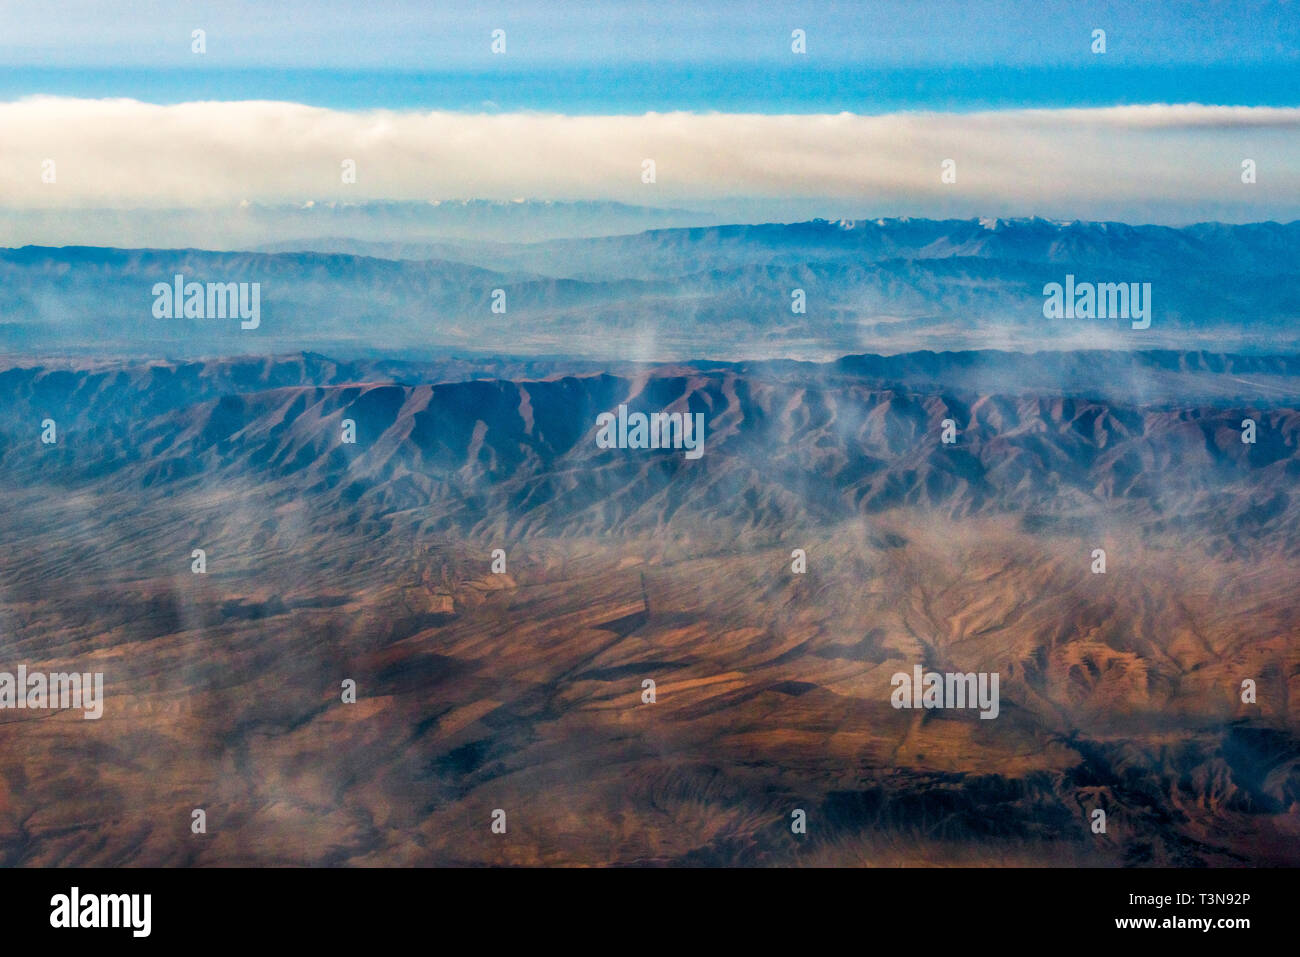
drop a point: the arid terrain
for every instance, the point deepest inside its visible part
(522, 690)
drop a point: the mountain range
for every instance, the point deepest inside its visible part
(515, 681)
(811, 291)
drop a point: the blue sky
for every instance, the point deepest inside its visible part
(780, 87)
(629, 57)
(430, 36)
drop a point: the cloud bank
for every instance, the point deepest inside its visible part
(1084, 163)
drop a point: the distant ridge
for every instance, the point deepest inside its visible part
(725, 292)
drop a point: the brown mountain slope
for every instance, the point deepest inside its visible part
(523, 691)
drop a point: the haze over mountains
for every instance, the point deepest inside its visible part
(522, 690)
(725, 292)
(786, 445)
(247, 225)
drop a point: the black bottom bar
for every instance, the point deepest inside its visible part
(650, 907)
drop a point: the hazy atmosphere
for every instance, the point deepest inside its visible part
(627, 434)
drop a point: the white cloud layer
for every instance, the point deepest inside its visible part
(1078, 162)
